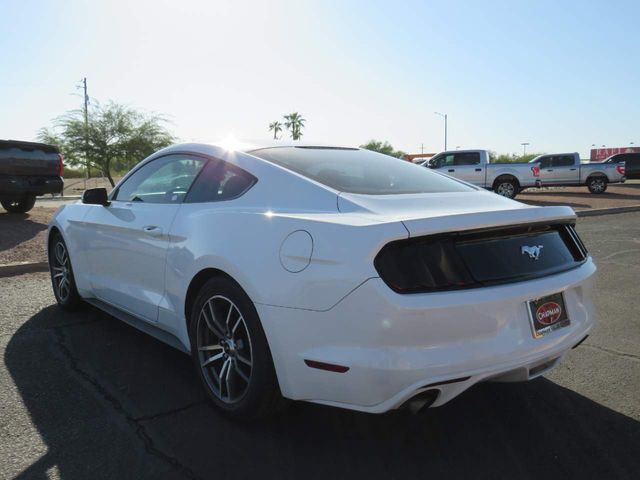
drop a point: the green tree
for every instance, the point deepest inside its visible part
(276, 128)
(294, 123)
(511, 157)
(383, 147)
(116, 137)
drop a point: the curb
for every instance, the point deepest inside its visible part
(20, 268)
(607, 211)
(61, 199)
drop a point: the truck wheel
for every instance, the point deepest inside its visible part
(597, 184)
(506, 188)
(19, 206)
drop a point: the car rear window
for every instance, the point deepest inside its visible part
(354, 170)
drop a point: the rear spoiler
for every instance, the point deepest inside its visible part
(487, 220)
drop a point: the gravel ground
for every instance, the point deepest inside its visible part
(22, 237)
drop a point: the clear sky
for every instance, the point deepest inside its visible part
(561, 75)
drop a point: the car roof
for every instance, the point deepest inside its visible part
(247, 146)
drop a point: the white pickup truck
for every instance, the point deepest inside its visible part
(474, 166)
(566, 169)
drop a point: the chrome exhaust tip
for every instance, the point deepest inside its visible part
(421, 401)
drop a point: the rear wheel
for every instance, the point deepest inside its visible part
(597, 184)
(21, 205)
(506, 187)
(62, 281)
(230, 351)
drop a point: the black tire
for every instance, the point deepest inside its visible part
(251, 391)
(597, 184)
(506, 187)
(22, 205)
(61, 271)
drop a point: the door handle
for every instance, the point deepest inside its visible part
(572, 169)
(478, 169)
(550, 170)
(452, 170)
(152, 230)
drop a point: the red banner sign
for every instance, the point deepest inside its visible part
(599, 154)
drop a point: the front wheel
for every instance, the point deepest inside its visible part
(230, 351)
(597, 184)
(22, 205)
(506, 188)
(62, 280)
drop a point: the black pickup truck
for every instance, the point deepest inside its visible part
(27, 170)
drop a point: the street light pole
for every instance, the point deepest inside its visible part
(524, 148)
(444, 115)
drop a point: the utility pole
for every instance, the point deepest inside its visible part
(444, 115)
(524, 148)
(86, 127)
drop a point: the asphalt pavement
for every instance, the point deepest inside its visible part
(85, 396)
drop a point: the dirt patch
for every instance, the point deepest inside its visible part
(579, 198)
(75, 186)
(23, 237)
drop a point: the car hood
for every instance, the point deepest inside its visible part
(428, 213)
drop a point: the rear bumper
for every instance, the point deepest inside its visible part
(17, 186)
(396, 346)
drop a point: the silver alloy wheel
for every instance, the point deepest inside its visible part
(224, 349)
(597, 185)
(506, 189)
(61, 271)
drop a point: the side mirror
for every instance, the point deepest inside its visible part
(96, 196)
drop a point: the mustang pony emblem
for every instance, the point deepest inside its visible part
(533, 252)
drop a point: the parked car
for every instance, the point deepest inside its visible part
(27, 170)
(475, 167)
(631, 163)
(566, 169)
(327, 274)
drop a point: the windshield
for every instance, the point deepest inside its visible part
(353, 170)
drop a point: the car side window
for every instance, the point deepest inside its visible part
(447, 160)
(434, 162)
(545, 162)
(563, 161)
(467, 158)
(220, 181)
(164, 180)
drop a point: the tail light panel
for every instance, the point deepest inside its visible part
(536, 171)
(479, 258)
(620, 168)
(61, 164)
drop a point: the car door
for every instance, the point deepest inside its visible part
(565, 170)
(444, 163)
(466, 166)
(130, 237)
(546, 170)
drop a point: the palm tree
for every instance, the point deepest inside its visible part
(276, 127)
(294, 123)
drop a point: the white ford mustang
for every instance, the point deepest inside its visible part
(328, 274)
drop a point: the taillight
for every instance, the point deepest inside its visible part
(61, 164)
(620, 168)
(536, 171)
(422, 266)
